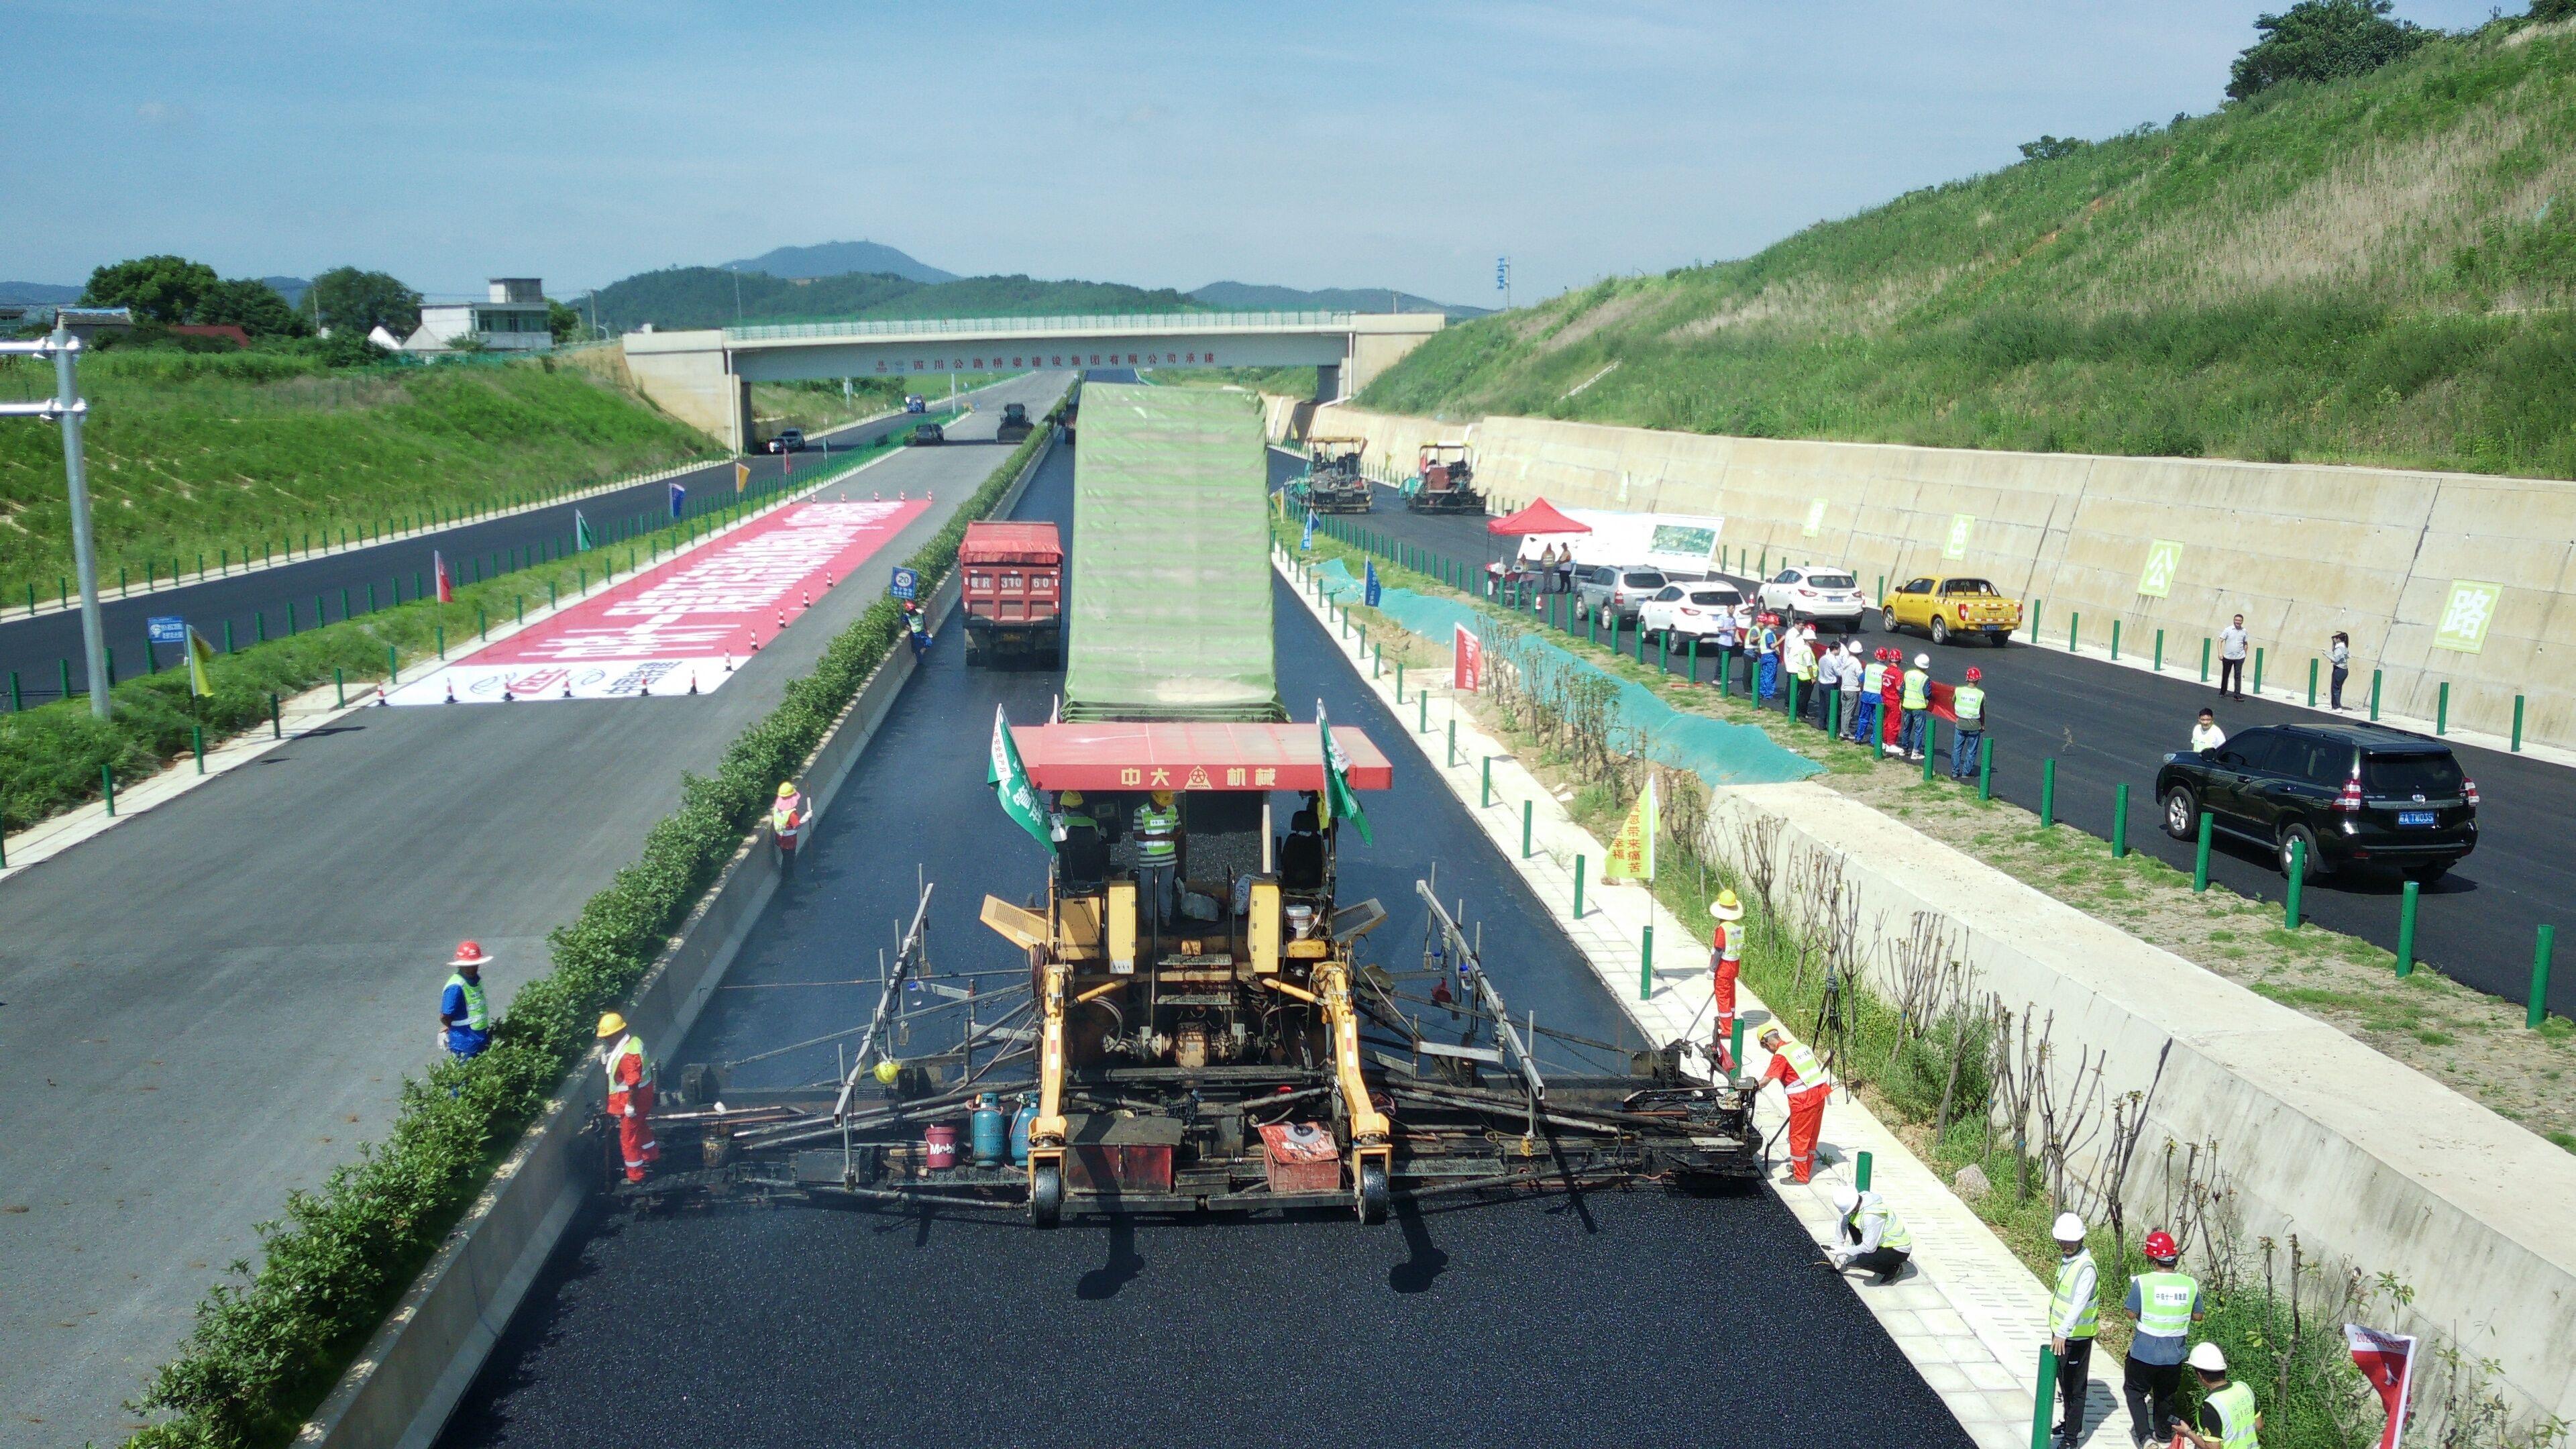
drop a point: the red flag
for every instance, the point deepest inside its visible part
(446, 585)
(2388, 1361)
(1467, 665)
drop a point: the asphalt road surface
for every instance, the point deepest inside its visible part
(2107, 724)
(36, 648)
(215, 1002)
(1613, 1317)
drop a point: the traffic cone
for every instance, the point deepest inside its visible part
(451, 692)
(753, 645)
(644, 690)
(381, 701)
(782, 621)
(925, 496)
(728, 661)
(693, 681)
(507, 697)
(902, 495)
(876, 495)
(567, 688)
(804, 600)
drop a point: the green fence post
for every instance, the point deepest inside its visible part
(2048, 794)
(2517, 724)
(1725, 676)
(2160, 651)
(1646, 966)
(1931, 745)
(1528, 808)
(17, 698)
(276, 717)
(65, 666)
(111, 667)
(228, 636)
(482, 626)
(2204, 659)
(259, 626)
(2545, 946)
(2374, 696)
(1453, 736)
(393, 664)
(1694, 675)
(2034, 621)
(2044, 1406)
(197, 742)
(107, 787)
(1399, 681)
(2074, 621)
(2200, 858)
(1578, 887)
(1986, 768)
(1663, 648)
(1860, 1171)
(1735, 1044)
(2312, 684)
(2115, 639)
(2298, 881)
(2258, 669)
(2120, 822)
(2406, 902)
(1422, 711)
(339, 686)
(2442, 710)
(1485, 796)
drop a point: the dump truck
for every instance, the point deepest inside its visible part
(1015, 424)
(1333, 482)
(1013, 593)
(1443, 481)
(1206, 1024)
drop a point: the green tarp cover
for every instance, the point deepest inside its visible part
(1171, 558)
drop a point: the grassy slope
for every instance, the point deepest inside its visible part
(2373, 271)
(209, 452)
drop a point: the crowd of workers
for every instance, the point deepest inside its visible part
(1856, 694)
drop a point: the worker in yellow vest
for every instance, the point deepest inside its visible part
(1917, 704)
(787, 820)
(1726, 962)
(1809, 1086)
(1869, 1235)
(630, 1094)
(2228, 1418)
(2164, 1303)
(1968, 704)
(2073, 1314)
(1158, 827)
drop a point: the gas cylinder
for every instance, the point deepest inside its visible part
(1020, 1121)
(985, 1131)
(939, 1148)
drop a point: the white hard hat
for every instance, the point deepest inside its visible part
(2068, 1229)
(2208, 1357)
(1922, 661)
(1846, 1198)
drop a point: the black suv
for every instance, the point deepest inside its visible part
(2359, 795)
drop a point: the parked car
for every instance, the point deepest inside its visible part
(2357, 795)
(1948, 608)
(1813, 591)
(1614, 592)
(913, 403)
(788, 440)
(1685, 611)
(925, 434)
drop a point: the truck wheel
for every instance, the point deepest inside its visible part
(2182, 813)
(1046, 1197)
(1940, 630)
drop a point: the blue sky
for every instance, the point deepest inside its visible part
(1325, 144)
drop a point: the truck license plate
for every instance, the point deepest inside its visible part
(2414, 817)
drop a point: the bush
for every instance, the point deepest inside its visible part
(265, 1350)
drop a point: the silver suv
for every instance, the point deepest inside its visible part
(1615, 593)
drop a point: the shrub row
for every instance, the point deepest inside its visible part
(267, 1348)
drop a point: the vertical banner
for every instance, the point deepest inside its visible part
(679, 499)
(1369, 592)
(2388, 1361)
(438, 570)
(1632, 850)
(741, 476)
(1467, 661)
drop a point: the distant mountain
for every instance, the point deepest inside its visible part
(37, 294)
(291, 288)
(837, 259)
(685, 297)
(1247, 297)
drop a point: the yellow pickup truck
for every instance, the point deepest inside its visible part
(1949, 608)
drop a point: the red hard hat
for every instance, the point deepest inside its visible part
(2162, 1247)
(469, 953)
(1975, 674)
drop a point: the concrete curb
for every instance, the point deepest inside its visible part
(407, 1380)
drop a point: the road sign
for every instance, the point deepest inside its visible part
(907, 584)
(167, 629)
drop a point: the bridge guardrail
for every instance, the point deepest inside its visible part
(1142, 322)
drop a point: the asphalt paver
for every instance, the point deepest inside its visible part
(2107, 724)
(1555, 1320)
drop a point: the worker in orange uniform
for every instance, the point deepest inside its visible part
(630, 1094)
(1726, 961)
(1808, 1084)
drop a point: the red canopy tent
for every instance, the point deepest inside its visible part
(1539, 517)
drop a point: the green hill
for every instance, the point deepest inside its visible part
(684, 297)
(2372, 270)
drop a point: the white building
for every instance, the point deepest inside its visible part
(512, 319)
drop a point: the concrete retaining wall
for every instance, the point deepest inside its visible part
(2300, 551)
(402, 1387)
(2366, 1160)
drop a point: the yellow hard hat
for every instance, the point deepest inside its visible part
(1069, 797)
(1769, 1032)
(610, 1025)
(1162, 797)
(887, 1071)
(787, 790)
(1726, 907)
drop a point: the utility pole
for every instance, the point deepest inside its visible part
(737, 292)
(66, 408)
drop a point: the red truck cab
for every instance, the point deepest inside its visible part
(1014, 594)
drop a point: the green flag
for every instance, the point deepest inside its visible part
(1338, 796)
(581, 536)
(200, 654)
(1011, 785)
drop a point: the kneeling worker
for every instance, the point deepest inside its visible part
(630, 1094)
(1870, 1235)
(2228, 1419)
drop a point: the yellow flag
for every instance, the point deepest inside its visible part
(741, 476)
(1632, 850)
(200, 654)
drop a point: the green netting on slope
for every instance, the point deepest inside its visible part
(1718, 752)
(1170, 616)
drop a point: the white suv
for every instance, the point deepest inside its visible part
(1810, 591)
(1685, 610)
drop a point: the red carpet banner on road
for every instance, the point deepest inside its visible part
(680, 620)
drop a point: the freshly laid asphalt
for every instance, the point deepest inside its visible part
(213, 1003)
(35, 648)
(2107, 725)
(1618, 1315)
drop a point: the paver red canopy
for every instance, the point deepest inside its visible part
(1168, 756)
(1539, 517)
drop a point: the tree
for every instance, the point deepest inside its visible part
(162, 289)
(2323, 40)
(253, 306)
(345, 297)
(2050, 148)
(565, 323)
(2549, 10)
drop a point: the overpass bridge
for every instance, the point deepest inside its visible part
(704, 377)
